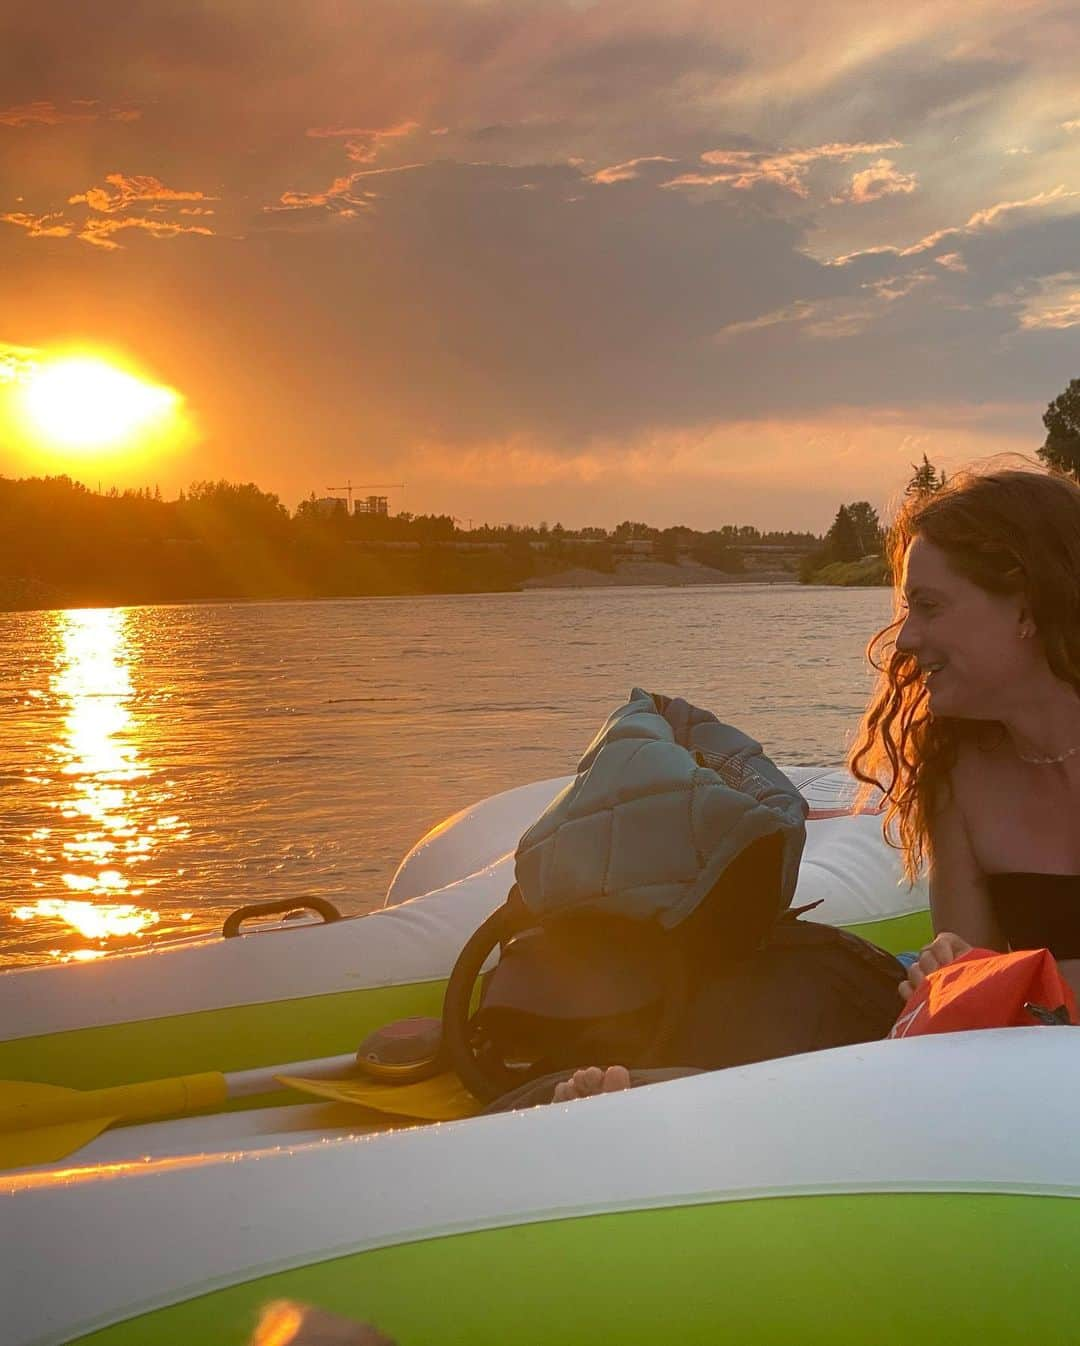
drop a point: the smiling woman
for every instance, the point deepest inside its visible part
(83, 402)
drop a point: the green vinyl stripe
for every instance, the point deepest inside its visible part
(849, 1270)
(898, 934)
(239, 1037)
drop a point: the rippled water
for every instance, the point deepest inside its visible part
(164, 765)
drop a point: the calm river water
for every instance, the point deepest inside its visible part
(164, 765)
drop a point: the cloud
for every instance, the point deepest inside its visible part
(100, 201)
(1056, 305)
(51, 225)
(534, 286)
(100, 232)
(881, 179)
(703, 474)
(46, 113)
(629, 170)
(362, 146)
(989, 218)
(128, 191)
(337, 199)
(787, 169)
(797, 312)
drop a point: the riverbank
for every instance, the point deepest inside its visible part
(655, 573)
(868, 572)
(435, 572)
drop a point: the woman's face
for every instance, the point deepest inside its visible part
(969, 644)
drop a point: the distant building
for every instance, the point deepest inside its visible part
(372, 504)
(330, 506)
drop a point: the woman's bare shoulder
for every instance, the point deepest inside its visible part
(976, 770)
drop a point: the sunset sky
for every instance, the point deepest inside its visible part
(695, 263)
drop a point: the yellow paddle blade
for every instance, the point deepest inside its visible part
(44, 1144)
(441, 1099)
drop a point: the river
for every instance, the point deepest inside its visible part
(164, 765)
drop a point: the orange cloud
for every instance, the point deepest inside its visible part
(882, 178)
(40, 226)
(100, 232)
(129, 190)
(46, 113)
(980, 222)
(794, 457)
(788, 169)
(363, 144)
(628, 170)
(339, 197)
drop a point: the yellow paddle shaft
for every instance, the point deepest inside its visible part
(124, 1102)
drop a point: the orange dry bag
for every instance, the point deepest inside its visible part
(983, 989)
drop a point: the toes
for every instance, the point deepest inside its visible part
(564, 1092)
(615, 1078)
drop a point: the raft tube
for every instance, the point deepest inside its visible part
(304, 991)
(832, 1199)
(840, 1197)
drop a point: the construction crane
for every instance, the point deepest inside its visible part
(367, 486)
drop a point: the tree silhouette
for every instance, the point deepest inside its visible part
(842, 541)
(867, 525)
(1062, 421)
(926, 479)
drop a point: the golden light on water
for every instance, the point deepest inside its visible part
(99, 751)
(105, 921)
(114, 819)
(84, 402)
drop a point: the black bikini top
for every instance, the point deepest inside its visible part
(1038, 911)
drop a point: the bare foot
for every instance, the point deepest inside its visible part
(593, 1080)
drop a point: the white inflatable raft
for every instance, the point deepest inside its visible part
(839, 1197)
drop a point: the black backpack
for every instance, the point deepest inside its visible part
(587, 988)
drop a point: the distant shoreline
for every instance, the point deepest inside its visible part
(631, 574)
(627, 575)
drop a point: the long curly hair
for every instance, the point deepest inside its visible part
(1010, 531)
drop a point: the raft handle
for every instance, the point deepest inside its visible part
(236, 918)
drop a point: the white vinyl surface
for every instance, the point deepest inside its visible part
(993, 1111)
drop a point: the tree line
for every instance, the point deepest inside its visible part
(62, 544)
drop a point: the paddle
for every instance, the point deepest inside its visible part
(43, 1123)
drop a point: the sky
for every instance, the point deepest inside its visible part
(579, 262)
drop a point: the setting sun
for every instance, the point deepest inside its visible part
(82, 402)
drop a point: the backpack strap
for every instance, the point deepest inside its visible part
(479, 1067)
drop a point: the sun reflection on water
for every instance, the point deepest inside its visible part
(110, 821)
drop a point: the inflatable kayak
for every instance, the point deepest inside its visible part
(310, 990)
(835, 1197)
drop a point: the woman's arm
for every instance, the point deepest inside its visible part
(960, 906)
(959, 899)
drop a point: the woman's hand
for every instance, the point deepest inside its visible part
(943, 950)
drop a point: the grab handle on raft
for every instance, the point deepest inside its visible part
(235, 919)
